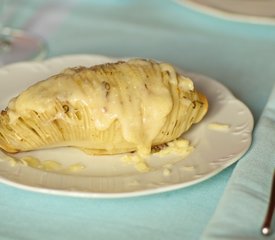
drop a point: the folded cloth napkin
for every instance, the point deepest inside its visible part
(243, 206)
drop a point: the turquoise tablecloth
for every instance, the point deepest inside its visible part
(239, 55)
(244, 204)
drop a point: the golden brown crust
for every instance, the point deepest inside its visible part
(204, 106)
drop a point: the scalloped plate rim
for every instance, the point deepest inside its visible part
(140, 192)
(226, 15)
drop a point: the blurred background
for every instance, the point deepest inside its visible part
(232, 52)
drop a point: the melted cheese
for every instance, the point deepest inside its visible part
(139, 102)
(178, 147)
(166, 172)
(138, 162)
(50, 165)
(75, 167)
(219, 127)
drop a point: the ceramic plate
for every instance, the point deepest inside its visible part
(109, 176)
(253, 11)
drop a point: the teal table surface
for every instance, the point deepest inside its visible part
(239, 55)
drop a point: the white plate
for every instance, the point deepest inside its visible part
(109, 176)
(253, 11)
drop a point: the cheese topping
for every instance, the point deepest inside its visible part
(219, 127)
(139, 99)
(179, 147)
(50, 165)
(139, 163)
